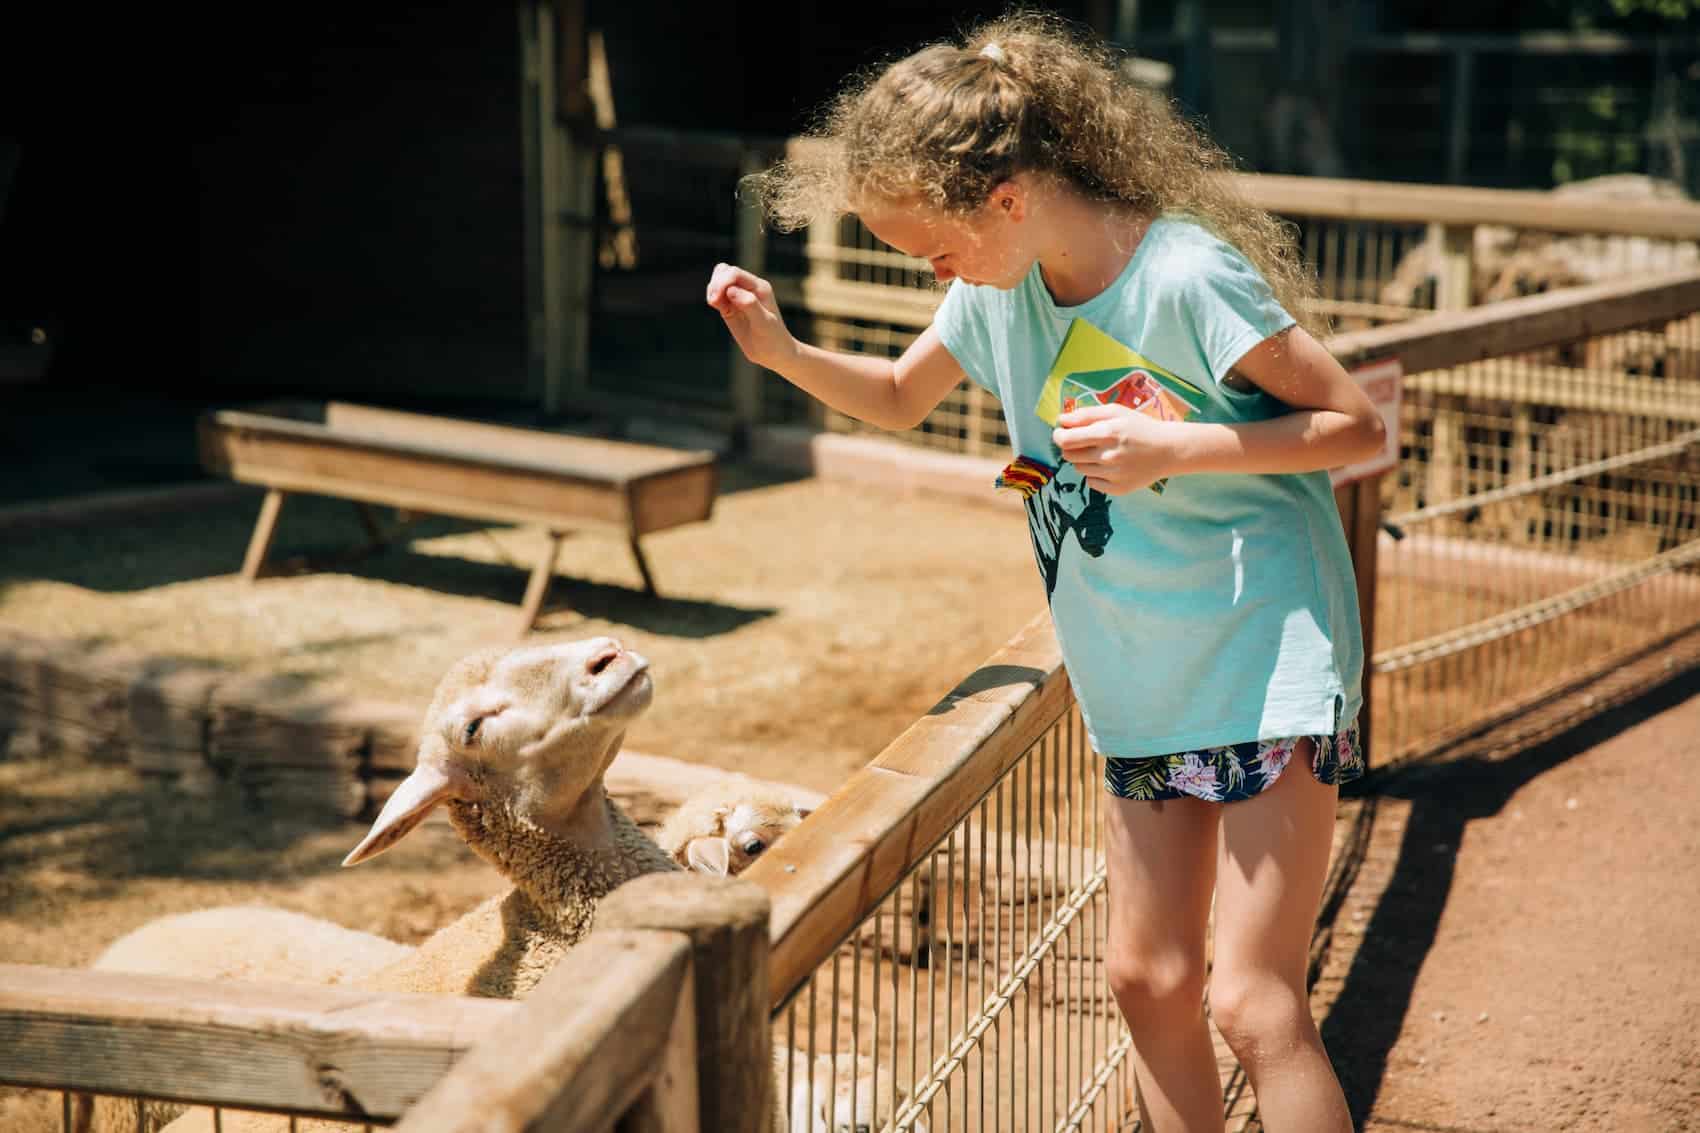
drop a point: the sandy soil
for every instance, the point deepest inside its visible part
(797, 633)
(1534, 961)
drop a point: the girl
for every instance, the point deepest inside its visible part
(1170, 420)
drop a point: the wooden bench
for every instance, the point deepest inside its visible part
(424, 464)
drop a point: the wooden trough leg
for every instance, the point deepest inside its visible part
(374, 527)
(539, 584)
(261, 541)
(643, 567)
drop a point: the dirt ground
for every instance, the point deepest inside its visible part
(1530, 962)
(1533, 960)
(798, 631)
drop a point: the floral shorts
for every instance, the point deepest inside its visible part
(1233, 772)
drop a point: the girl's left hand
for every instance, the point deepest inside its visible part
(1117, 449)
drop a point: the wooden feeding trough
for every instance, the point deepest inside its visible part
(423, 464)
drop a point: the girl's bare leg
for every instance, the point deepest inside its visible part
(1161, 862)
(1274, 859)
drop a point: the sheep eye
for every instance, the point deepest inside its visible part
(753, 847)
(471, 734)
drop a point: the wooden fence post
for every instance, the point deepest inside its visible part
(1360, 514)
(1454, 250)
(726, 920)
(750, 254)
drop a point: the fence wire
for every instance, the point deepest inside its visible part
(1543, 525)
(973, 995)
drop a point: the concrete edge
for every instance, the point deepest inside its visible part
(199, 730)
(96, 507)
(886, 464)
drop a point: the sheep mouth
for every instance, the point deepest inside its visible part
(626, 688)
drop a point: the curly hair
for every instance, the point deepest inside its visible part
(1023, 93)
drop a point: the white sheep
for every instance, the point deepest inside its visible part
(251, 942)
(723, 827)
(514, 746)
(836, 1095)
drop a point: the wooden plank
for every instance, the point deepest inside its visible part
(670, 499)
(1563, 387)
(671, 487)
(726, 921)
(591, 458)
(422, 482)
(580, 1049)
(320, 1050)
(673, 1101)
(848, 299)
(825, 875)
(1400, 203)
(1404, 203)
(1517, 326)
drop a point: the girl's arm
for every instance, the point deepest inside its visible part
(890, 394)
(1333, 422)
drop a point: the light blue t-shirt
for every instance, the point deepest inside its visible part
(1222, 610)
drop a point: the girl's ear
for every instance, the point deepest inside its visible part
(1009, 197)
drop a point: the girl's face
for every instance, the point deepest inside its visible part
(986, 247)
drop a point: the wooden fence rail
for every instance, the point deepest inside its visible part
(332, 1052)
(656, 1022)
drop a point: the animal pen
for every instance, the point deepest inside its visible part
(928, 944)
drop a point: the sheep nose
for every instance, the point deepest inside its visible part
(607, 651)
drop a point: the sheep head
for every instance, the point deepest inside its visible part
(529, 731)
(724, 827)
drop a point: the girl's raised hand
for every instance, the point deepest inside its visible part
(1117, 449)
(746, 302)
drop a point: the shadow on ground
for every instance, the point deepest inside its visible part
(1445, 797)
(110, 829)
(316, 533)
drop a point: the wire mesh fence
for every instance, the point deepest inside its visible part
(1543, 525)
(972, 996)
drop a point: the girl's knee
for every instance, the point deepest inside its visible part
(1256, 1009)
(1155, 986)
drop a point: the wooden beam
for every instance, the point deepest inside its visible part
(1403, 203)
(537, 586)
(317, 1050)
(265, 529)
(824, 875)
(1562, 387)
(446, 467)
(726, 920)
(1517, 326)
(580, 1049)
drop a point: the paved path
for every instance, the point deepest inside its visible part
(1521, 947)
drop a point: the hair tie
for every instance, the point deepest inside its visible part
(995, 53)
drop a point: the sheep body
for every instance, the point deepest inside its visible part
(250, 942)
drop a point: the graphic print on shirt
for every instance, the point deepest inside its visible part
(1066, 504)
(1091, 368)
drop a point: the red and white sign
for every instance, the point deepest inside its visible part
(1382, 381)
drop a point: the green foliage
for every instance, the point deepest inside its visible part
(1675, 10)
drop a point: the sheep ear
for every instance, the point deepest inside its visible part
(430, 784)
(709, 855)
